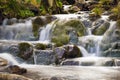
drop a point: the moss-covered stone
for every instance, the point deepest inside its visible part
(40, 46)
(60, 33)
(61, 40)
(37, 23)
(102, 29)
(118, 24)
(25, 50)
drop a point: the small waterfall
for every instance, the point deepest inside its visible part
(89, 31)
(84, 52)
(11, 60)
(35, 57)
(45, 33)
(18, 31)
(91, 43)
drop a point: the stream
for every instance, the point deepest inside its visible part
(100, 60)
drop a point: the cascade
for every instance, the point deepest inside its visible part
(45, 33)
(11, 60)
(18, 31)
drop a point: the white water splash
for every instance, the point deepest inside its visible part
(11, 60)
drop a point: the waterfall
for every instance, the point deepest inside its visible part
(17, 31)
(45, 33)
(84, 52)
(11, 60)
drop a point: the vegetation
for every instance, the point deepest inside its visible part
(25, 50)
(27, 8)
(115, 13)
(40, 46)
(60, 34)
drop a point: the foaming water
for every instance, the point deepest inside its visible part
(91, 43)
(11, 60)
(45, 33)
(18, 31)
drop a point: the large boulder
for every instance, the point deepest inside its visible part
(72, 51)
(61, 32)
(66, 52)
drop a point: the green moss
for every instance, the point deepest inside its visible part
(23, 46)
(37, 23)
(61, 40)
(60, 34)
(25, 50)
(40, 46)
(118, 24)
(102, 29)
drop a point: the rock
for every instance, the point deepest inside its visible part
(3, 62)
(73, 37)
(72, 52)
(44, 57)
(73, 9)
(14, 69)
(40, 46)
(25, 50)
(59, 51)
(61, 31)
(6, 76)
(55, 78)
(70, 1)
(90, 61)
(101, 29)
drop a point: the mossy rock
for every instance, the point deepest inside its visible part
(37, 23)
(118, 24)
(101, 29)
(113, 17)
(72, 52)
(40, 46)
(25, 50)
(93, 16)
(61, 40)
(60, 32)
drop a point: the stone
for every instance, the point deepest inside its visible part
(25, 50)
(14, 69)
(44, 57)
(72, 52)
(101, 29)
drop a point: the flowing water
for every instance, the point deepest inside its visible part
(88, 44)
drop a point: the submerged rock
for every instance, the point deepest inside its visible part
(14, 69)
(6, 76)
(91, 61)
